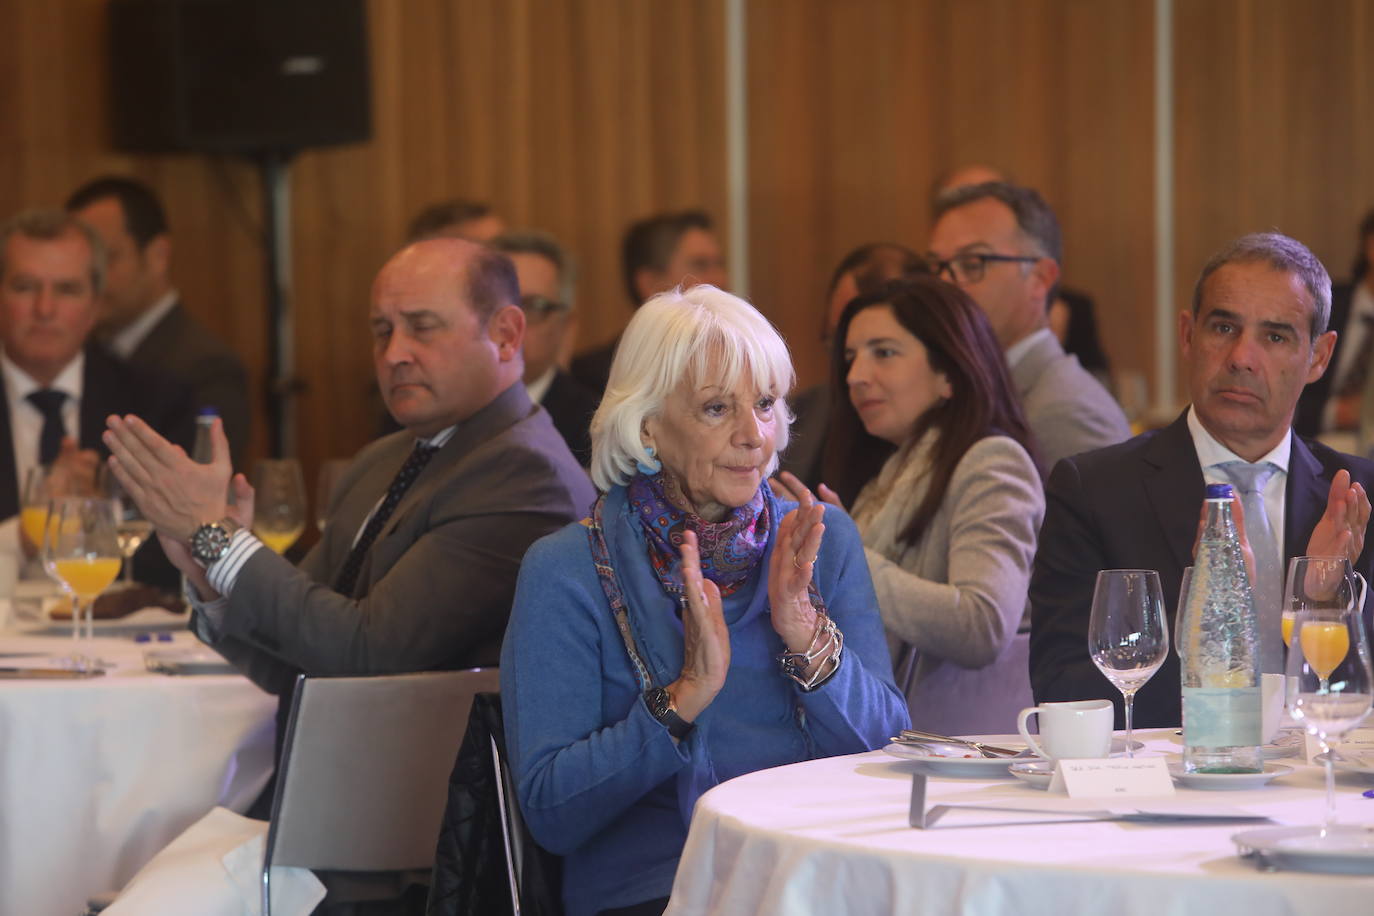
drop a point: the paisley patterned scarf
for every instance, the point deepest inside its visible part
(730, 549)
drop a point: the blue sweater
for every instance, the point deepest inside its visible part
(599, 780)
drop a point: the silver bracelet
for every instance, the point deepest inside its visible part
(826, 641)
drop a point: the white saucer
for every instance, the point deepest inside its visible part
(1037, 773)
(1352, 852)
(960, 767)
(1350, 763)
(1227, 781)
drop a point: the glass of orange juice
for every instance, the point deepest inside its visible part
(81, 550)
(278, 503)
(1316, 583)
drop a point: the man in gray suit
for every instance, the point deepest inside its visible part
(1001, 243)
(142, 318)
(417, 564)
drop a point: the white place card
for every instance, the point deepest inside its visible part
(1358, 742)
(1116, 777)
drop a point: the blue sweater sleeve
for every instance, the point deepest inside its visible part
(860, 707)
(574, 772)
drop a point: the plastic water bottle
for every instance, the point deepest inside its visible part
(1219, 648)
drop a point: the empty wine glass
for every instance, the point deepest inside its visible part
(1330, 691)
(81, 548)
(331, 474)
(132, 528)
(278, 503)
(1128, 638)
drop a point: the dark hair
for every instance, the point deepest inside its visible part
(1080, 338)
(650, 242)
(1034, 217)
(491, 283)
(50, 226)
(435, 218)
(874, 265)
(532, 241)
(959, 343)
(144, 218)
(1361, 259)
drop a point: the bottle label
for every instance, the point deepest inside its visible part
(1222, 716)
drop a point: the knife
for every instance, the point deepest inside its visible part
(48, 673)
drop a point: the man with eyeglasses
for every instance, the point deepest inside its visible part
(548, 283)
(1001, 244)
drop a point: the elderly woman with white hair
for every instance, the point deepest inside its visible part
(694, 628)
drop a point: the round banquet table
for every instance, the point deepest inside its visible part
(97, 775)
(832, 836)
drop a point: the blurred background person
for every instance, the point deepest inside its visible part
(1073, 321)
(863, 270)
(658, 253)
(142, 318)
(930, 447)
(720, 587)
(548, 292)
(458, 218)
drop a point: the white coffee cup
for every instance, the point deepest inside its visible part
(1082, 728)
(1272, 693)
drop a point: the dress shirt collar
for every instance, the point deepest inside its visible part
(439, 439)
(1211, 453)
(19, 384)
(540, 386)
(123, 343)
(1023, 346)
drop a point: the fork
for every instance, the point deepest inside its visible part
(987, 750)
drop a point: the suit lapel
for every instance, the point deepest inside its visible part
(9, 480)
(100, 393)
(1304, 499)
(1174, 487)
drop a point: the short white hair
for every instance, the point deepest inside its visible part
(699, 334)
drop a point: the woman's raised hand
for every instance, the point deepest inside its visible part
(705, 638)
(789, 571)
(788, 486)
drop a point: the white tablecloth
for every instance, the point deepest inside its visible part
(98, 775)
(831, 836)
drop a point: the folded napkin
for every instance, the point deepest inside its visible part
(215, 869)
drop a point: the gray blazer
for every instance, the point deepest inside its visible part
(1068, 410)
(952, 601)
(435, 590)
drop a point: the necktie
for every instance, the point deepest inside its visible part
(1355, 376)
(348, 575)
(49, 401)
(1268, 587)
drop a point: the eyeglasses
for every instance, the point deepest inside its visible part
(970, 266)
(541, 307)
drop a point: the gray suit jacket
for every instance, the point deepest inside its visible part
(435, 589)
(183, 348)
(1068, 410)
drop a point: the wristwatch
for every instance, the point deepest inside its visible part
(660, 703)
(210, 542)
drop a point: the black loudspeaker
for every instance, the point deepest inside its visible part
(238, 76)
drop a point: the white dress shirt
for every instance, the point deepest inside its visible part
(1211, 454)
(26, 420)
(540, 386)
(125, 342)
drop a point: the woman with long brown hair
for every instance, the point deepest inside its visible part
(930, 447)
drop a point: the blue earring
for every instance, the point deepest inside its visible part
(652, 466)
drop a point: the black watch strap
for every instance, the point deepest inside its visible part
(660, 704)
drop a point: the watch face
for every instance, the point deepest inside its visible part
(209, 542)
(660, 703)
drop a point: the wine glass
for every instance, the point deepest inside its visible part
(132, 528)
(331, 473)
(35, 502)
(1128, 638)
(1316, 583)
(81, 548)
(279, 503)
(1330, 689)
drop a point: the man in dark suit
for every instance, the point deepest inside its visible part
(548, 287)
(658, 253)
(142, 319)
(416, 567)
(1256, 334)
(58, 389)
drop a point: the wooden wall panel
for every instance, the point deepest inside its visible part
(1275, 126)
(855, 108)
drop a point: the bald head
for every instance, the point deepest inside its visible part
(447, 328)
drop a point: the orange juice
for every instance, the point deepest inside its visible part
(34, 520)
(277, 539)
(87, 576)
(1287, 624)
(1324, 645)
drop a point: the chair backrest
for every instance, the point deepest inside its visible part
(365, 767)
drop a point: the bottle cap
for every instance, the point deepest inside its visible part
(207, 412)
(1218, 491)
